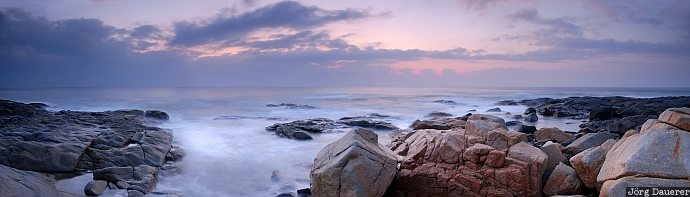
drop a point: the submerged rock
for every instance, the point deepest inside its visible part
(495, 109)
(157, 114)
(291, 106)
(354, 165)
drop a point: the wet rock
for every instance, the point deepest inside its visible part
(354, 165)
(513, 123)
(157, 115)
(603, 113)
(14, 182)
(588, 141)
(563, 180)
(67, 140)
(517, 117)
(530, 110)
(367, 123)
(445, 101)
(528, 129)
(553, 133)
(495, 109)
(507, 102)
(306, 192)
(531, 117)
(95, 187)
(439, 114)
(291, 106)
(286, 194)
(140, 178)
(298, 129)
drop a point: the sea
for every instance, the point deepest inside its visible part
(230, 153)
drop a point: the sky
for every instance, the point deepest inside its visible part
(355, 43)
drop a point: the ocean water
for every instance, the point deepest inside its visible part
(237, 157)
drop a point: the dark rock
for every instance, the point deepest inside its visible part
(298, 129)
(526, 129)
(513, 123)
(445, 101)
(532, 117)
(588, 141)
(367, 123)
(95, 187)
(495, 109)
(507, 102)
(291, 106)
(603, 113)
(234, 117)
(438, 114)
(64, 141)
(157, 114)
(517, 117)
(140, 178)
(286, 194)
(306, 192)
(530, 110)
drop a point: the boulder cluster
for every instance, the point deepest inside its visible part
(479, 156)
(119, 147)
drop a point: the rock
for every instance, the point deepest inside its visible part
(287, 194)
(354, 165)
(507, 102)
(603, 113)
(175, 154)
(530, 110)
(298, 129)
(67, 140)
(553, 133)
(429, 124)
(536, 163)
(140, 178)
(526, 129)
(445, 101)
(14, 182)
(677, 117)
(532, 117)
(477, 124)
(517, 117)
(157, 114)
(587, 165)
(95, 187)
(122, 185)
(495, 158)
(367, 123)
(513, 123)
(588, 141)
(431, 165)
(237, 117)
(291, 106)
(618, 187)
(438, 114)
(563, 180)
(306, 192)
(617, 126)
(495, 109)
(135, 193)
(659, 151)
(554, 156)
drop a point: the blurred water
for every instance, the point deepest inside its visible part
(238, 157)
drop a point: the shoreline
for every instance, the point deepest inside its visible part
(376, 121)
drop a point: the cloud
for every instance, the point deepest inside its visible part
(37, 52)
(286, 14)
(560, 26)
